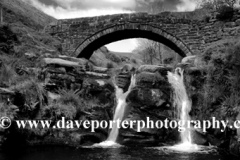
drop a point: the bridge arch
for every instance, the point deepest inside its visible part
(130, 30)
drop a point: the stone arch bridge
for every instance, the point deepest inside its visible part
(82, 36)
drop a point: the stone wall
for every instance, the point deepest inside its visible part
(191, 36)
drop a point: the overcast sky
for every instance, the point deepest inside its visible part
(62, 9)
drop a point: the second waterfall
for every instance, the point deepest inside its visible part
(119, 113)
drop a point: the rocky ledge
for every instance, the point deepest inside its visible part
(94, 91)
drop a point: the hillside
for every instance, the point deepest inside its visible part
(22, 33)
(106, 58)
(18, 11)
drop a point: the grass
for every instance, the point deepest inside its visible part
(58, 110)
(70, 97)
(221, 90)
(18, 11)
(32, 92)
(70, 105)
(8, 110)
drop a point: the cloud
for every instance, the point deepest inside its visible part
(187, 5)
(156, 6)
(65, 11)
(100, 4)
(62, 9)
(127, 45)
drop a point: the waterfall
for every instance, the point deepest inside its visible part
(119, 113)
(183, 105)
(182, 102)
(120, 109)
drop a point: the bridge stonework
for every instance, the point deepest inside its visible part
(82, 36)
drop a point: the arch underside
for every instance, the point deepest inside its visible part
(121, 32)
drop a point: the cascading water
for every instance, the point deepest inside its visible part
(183, 104)
(120, 109)
(118, 114)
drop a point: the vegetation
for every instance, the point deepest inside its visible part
(221, 90)
(110, 65)
(216, 4)
(7, 39)
(8, 110)
(18, 11)
(58, 110)
(225, 13)
(224, 8)
(155, 53)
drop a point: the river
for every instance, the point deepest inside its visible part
(119, 153)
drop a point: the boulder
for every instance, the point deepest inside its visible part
(154, 68)
(151, 80)
(152, 98)
(237, 22)
(82, 61)
(230, 24)
(100, 90)
(123, 80)
(61, 62)
(198, 138)
(234, 146)
(189, 60)
(238, 129)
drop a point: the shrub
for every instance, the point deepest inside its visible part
(113, 57)
(8, 110)
(7, 39)
(110, 65)
(7, 75)
(70, 97)
(221, 90)
(207, 18)
(225, 13)
(134, 61)
(75, 99)
(58, 110)
(31, 90)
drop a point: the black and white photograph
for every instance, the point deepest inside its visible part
(119, 79)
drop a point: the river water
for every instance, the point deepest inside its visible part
(119, 153)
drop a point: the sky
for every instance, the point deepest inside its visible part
(65, 9)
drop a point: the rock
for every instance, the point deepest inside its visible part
(6, 91)
(230, 24)
(100, 69)
(152, 98)
(123, 80)
(76, 137)
(198, 138)
(97, 75)
(61, 62)
(238, 129)
(212, 140)
(189, 60)
(60, 70)
(81, 61)
(154, 69)
(92, 138)
(69, 72)
(103, 92)
(104, 49)
(237, 22)
(151, 80)
(31, 55)
(123, 76)
(234, 146)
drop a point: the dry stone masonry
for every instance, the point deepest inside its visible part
(81, 36)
